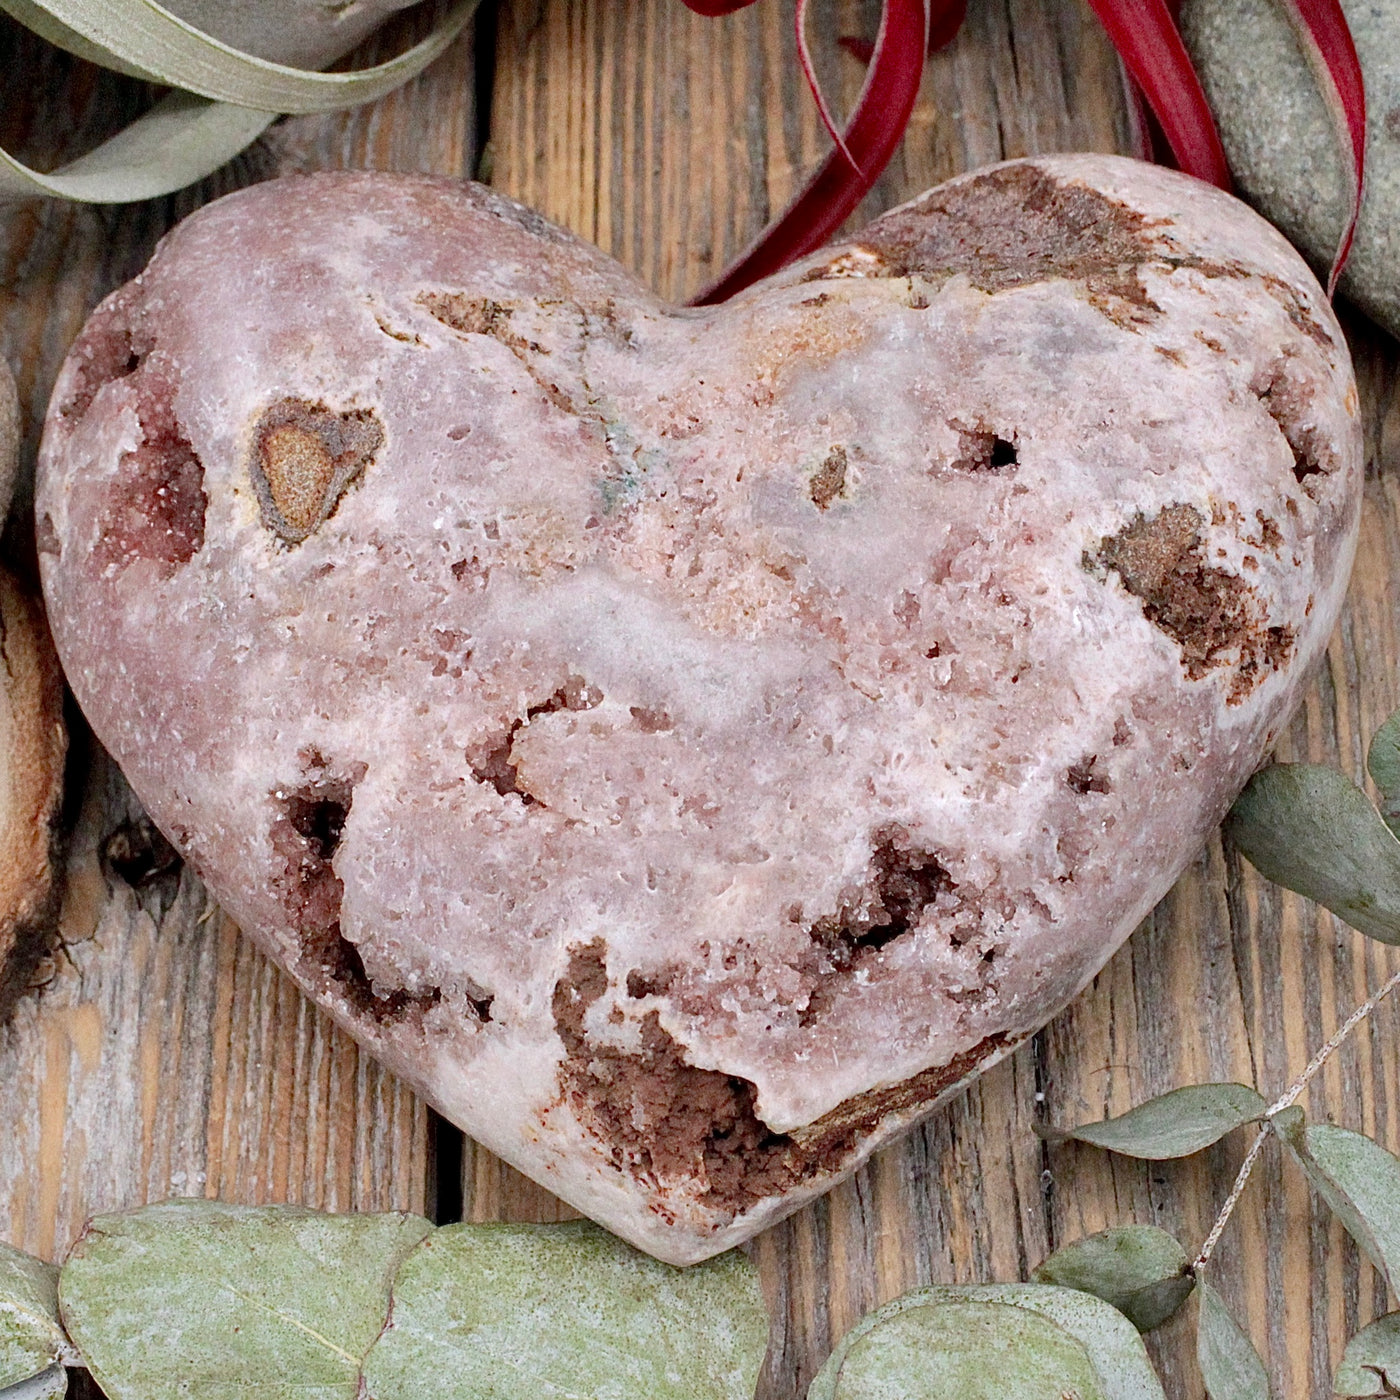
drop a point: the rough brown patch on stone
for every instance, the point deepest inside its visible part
(902, 882)
(305, 457)
(1018, 225)
(109, 349)
(673, 1125)
(1289, 403)
(155, 507)
(305, 838)
(474, 316)
(1215, 617)
(494, 762)
(1083, 779)
(1009, 228)
(483, 316)
(829, 480)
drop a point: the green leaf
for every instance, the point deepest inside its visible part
(1230, 1366)
(990, 1342)
(1173, 1125)
(180, 140)
(220, 1301)
(142, 38)
(47, 1385)
(1383, 763)
(1360, 1181)
(1312, 830)
(1139, 1269)
(550, 1312)
(1371, 1362)
(31, 1338)
(188, 134)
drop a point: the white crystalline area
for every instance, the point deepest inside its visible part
(688, 744)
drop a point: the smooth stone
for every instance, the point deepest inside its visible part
(1281, 143)
(688, 745)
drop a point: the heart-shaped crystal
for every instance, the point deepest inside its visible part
(688, 744)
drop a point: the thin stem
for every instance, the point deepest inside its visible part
(1322, 1056)
(1285, 1100)
(1228, 1209)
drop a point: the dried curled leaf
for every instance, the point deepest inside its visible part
(1371, 1362)
(223, 1302)
(225, 99)
(1141, 1270)
(31, 1338)
(1175, 1124)
(1230, 1366)
(1359, 1180)
(988, 1342)
(521, 1312)
(1310, 829)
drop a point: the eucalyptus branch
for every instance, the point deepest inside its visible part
(1286, 1100)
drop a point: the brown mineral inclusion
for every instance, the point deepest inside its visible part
(687, 745)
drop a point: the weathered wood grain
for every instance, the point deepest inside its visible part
(670, 140)
(165, 1055)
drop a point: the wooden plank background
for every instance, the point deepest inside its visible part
(164, 1056)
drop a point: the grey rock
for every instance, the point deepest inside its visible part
(1280, 139)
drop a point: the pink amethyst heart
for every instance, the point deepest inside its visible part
(687, 745)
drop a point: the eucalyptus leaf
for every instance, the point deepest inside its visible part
(1383, 763)
(31, 1338)
(1173, 1125)
(1141, 1270)
(551, 1312)
(990, 1342)
(1360, 1181)
(1230, 1366)
(1311, 829)
(1371, 1362)
(223, 1302)
(47, 1385)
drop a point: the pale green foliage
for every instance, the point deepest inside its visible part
(31, 1339)
(986, 1343)
(1311, 829)
(1230, 1366)
(198, 1298)
(1140, 1269)
(1372, 1360)
(1172, 1125)
(1383, 764)
(1360, 1181)
(566, 1312)
(224, 99)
